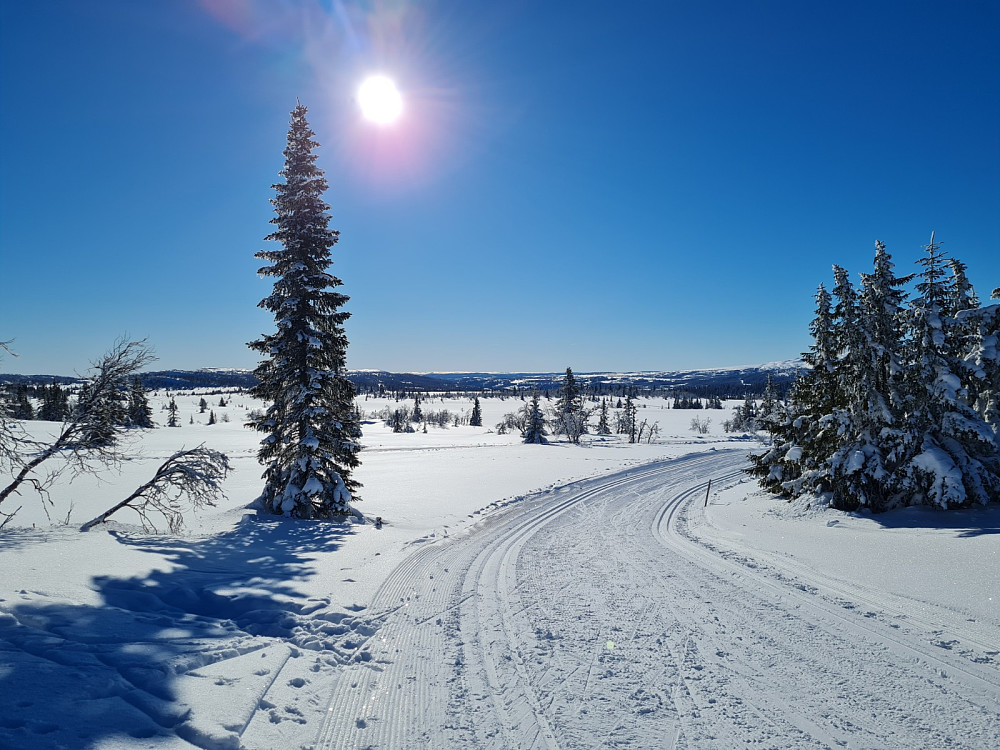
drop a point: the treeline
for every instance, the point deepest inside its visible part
(123, 406)
(902, 402)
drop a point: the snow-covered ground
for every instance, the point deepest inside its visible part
(505, 603)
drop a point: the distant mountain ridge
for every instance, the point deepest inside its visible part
(734, 381)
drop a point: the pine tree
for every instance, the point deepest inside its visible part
(863, 466)
(983, 358)
(476, 420)
(211, 417)
(534, 423)
(570, 416)
(629, 419)
(139, 413)
(417, 414)
(951, 454)
(311, 425)
(172, 414)
(770, 405)
(900, 405)
(21, 408)
(55, 404)
(100, 411)
(603, 428)
(202, 405)
(797, 460)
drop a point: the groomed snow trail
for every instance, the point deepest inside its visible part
(591, 617)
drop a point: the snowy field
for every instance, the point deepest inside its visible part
(517, 596)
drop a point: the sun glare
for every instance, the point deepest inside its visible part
(380, 100)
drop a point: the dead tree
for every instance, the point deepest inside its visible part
(196, 474)
(86, 441)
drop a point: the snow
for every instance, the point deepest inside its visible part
(520, 595)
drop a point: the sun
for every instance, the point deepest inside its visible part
(380, 100)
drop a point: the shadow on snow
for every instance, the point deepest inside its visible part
(74, 674)
(965, 522)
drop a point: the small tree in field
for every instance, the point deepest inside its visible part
(534, 424)
(311, 427)
(476, 420)
(570, 417)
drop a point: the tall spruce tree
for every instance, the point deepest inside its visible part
(312, 429)
(863, 466)
(798, 459)
(476, 419)
(951, 453)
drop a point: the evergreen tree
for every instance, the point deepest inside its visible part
(629, 419)
(863, 466)
(100, 412)
(476, 420)
(311, 425)
(139, 413)
(797, 460)
(21, 408)
(202, 405)
(951, 454)
(900, 405)
(534, 423)
(417, 414)
(211, 417)
(603, 428)
(963, 331)
(983, 358)
(55, 404)
(172, 414)
(570, 416)
(769, 405)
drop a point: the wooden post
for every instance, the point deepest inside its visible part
(707, 490)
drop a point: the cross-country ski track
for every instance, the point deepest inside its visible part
(593, 616)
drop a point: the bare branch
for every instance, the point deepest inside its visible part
(87, 441)
(8, 516)
(196, 474)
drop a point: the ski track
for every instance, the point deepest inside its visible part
(593, 616)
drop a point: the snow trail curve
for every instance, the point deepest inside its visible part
(589, 617)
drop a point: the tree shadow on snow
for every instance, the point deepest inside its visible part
(76, 674)
(966, 522)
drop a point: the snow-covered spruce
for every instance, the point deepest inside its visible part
(900, 406)
(570, 418)
(534, 423)
(952, 457)
(312, 428)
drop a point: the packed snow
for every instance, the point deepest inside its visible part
(515, 596)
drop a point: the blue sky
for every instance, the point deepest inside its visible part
(607, 186)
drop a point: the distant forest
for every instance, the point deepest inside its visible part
(724, 384)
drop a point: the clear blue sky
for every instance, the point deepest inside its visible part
(607, 186)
